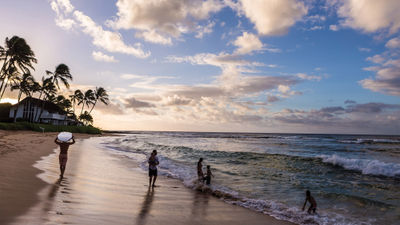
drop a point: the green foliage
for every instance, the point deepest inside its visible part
(49, 128)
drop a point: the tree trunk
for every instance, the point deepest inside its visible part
(2, 68)
(94, 104)
(83, 105)
(4, 90)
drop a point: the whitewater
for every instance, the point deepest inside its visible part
(355, 179)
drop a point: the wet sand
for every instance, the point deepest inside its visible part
(102, 189)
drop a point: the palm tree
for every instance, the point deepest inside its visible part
(24, 85)
(100, 94)
(16, 53)
(60, 74)
(49, 90)
(88, 99)
(10, 77)
(86, 118)
(74, 98)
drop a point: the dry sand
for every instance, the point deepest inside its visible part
(99, 189)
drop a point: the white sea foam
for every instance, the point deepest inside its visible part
(366, 166)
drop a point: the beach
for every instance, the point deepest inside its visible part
(98, 188)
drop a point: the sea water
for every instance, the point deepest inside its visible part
(355, 179)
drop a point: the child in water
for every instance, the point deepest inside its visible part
(208, 175)
(312, 201)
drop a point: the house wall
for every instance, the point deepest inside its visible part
(51, 118)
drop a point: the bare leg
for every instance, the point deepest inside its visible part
(154, 180)
(62, 169)
(150, 180)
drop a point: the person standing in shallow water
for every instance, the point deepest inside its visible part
(312, 201)
(153, 162)
(200, 174)
(208, 175)
(63, 157)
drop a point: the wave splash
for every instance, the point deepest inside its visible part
(365, 166)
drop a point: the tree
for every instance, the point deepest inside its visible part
(100, 94)
(86, 118)
(25, 85)
(60, 74)
(17, 54)
(75, 98)
(11, 77)
(88, 99)
(49, 90)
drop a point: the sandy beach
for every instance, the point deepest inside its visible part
(98, 189)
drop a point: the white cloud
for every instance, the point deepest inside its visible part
(370, 16)
(364, 49)
(167, 18)
(273, 17)
(108, 40)
(154, 37)
(99, 56)
(202, 30)
(247, 43)
(393, 43)
(333, 27)
(304, 76)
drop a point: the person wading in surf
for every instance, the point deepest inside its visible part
(153, 162)
(63, 157)
(312, 201)
(200, 174)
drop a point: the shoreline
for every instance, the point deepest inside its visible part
(171, 201)
(19, 183)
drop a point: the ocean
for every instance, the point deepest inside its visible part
(355, 179)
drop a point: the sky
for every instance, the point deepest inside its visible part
(288, 66)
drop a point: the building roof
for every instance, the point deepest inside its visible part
(49, 106)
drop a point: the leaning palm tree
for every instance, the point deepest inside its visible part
(75, 98)
(100, 94)
(16, 53)
(24, 85)
(88, 99)
(49, 91)
(11, 78)
(60, 74)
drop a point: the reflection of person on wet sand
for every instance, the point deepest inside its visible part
(63, 157)
(312, 201)
(146, 205)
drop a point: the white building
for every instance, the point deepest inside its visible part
(29, 109)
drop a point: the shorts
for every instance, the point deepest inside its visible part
(62, 158)
(152, 172)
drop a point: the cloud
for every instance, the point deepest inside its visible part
(163, 18)
(304, 76)
(271, 98)
(247, 43)
(393, 43)
(108, 40)
(202, 30)
(370, 16)
(364, 49)
(135, 104)
(99, 56)
(154, 37)
(333, 27)
(387, 74)
(273, 17)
